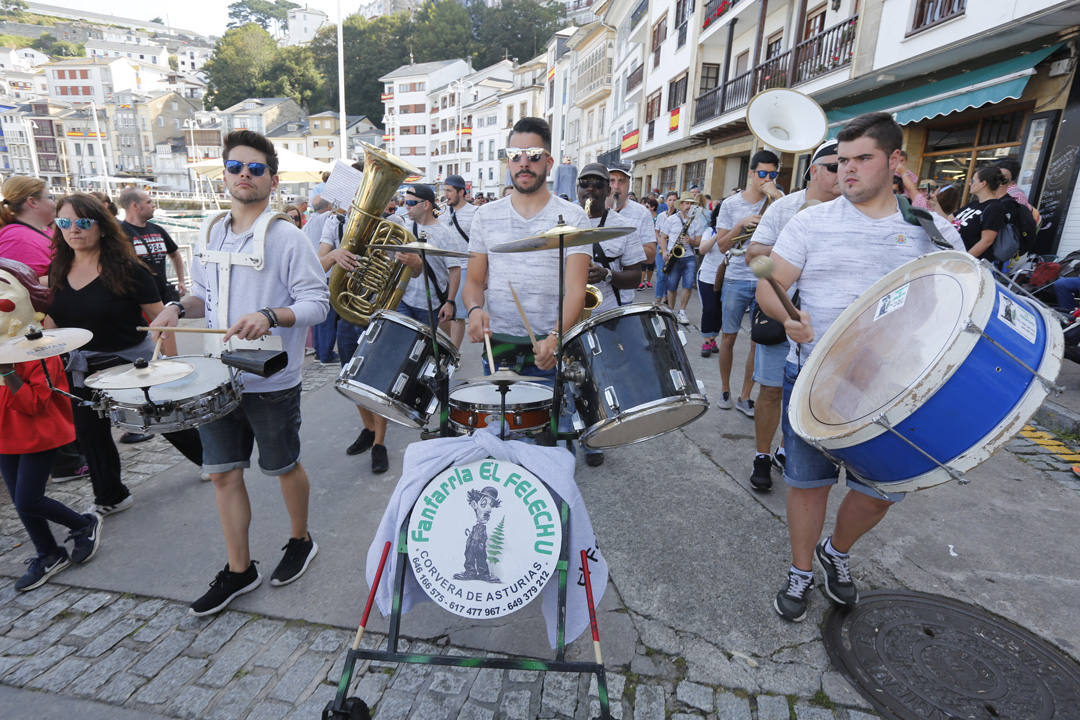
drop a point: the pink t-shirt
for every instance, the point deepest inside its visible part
(26, 245)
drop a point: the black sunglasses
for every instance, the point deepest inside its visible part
(591, 184)
(410, 203)
(255, 168)
(831, 167)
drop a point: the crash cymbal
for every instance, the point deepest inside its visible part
(501, 377)
(149, 374)
(572, 237)
(47, 343)
(417, 247)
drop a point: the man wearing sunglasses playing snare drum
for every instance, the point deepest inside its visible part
(283, 297)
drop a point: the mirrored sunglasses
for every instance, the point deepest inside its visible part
(81, 223)
(771, 174)
(411, 203)
(533, 154)
(234, 167)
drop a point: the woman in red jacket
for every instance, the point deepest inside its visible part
(34, 421)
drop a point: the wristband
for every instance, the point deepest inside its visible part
(474, 307)
(269, 315)
(180, 311)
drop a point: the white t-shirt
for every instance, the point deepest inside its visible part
(842, 252)
(638, 215)
(621, 251)
(464, 217)
(444, 237)
(535, 275)
(712, 260)
(732, 210)
(672, 226)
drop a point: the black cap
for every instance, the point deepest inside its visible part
(455, 181)
(423, 192)
(595, 170)
(825, 149)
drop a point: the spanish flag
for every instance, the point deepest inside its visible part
(630, 140)
(465, 131)
(551, 74)
(674, 119)
(387, 97)
(387, 138)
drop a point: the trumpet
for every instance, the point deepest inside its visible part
(676, 253)
(740, 241)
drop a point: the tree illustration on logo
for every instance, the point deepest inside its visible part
(495, 543)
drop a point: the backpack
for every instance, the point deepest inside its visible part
(1023, 221)
(1007, 243)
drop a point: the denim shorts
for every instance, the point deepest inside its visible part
(420, 315)
(736, 297)
(807, 467)
(769, 361)
(272, 419)
(684, 274)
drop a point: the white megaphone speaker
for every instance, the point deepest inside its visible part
(786, 120)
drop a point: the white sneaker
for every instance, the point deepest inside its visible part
(104, 510)
(681, 315)
(725, 401)
(746, 407)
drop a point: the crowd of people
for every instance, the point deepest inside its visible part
(255, 276)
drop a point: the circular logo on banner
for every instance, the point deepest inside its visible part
(484, 538)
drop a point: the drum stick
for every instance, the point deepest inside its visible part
(491, 358)
(763, 268)
(521, 311)
(371, 597)
(157, 348)
(214, 331)
(592, 608)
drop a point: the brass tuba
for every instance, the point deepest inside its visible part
(379, 281)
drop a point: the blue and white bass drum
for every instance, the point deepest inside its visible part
(926, 374)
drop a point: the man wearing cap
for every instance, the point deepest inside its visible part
(821, 187)
(635, 213)
(443, 273)
(738, 214)
(458, 218)
(682, 228)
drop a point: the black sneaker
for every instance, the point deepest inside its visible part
(761, 478)
(779, 458)
(86, 540)
(791, 601)
(380, 463)
(838, 584)
(130, 438)
(41, 569)
(226, 586)
(298, 555)
(362, 443)
(594, 459)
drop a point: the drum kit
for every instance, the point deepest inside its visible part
(627, 367)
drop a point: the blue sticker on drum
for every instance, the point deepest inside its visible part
(893, 301)
(1018, 318)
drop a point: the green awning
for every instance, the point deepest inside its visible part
(985, 85)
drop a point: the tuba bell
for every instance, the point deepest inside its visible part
(593, 299)
(378, 282)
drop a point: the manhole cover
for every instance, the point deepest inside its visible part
(924, 657)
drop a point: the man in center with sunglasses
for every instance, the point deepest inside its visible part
(740, 213)
(282, 297)
(528, 210)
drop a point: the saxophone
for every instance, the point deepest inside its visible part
(379, 281)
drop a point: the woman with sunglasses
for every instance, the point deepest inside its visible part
(26, 217)
(294, 214)
(99, 284)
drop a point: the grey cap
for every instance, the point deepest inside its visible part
(619, 169)
(595, 170)
(455, 181)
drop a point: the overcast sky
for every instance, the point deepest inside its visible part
(208, 17)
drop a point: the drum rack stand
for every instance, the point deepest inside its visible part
(345, 708)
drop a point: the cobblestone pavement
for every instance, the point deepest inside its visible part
(148, 654)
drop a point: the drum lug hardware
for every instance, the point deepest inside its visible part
(574, 373)
(372, 332)
(682, 337)
(428, 371)
(354, 364)
(399, 384)
(594, 346)
(701, 388)
(1047, 383)
(659, 329)
(611, 398)
(577, 422)
(952, 473)
(417, 350)
(678, 379)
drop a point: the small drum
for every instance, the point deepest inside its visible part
(210, 393)
(926, 374)
(478, 404)
(637, 382)
(392, 373)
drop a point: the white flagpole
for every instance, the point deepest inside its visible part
(342, 117)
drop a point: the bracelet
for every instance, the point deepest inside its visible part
(474, 307)
(9, 372)
(269, 315)
(452, 303)
(180, 311)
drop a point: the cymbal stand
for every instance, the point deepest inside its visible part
(74, 398)
(442, 379)
(556, 402)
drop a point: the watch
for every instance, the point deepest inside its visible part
(607, 276)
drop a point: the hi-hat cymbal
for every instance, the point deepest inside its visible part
(417, 247)
(123, 377)
(51, 342)
(572, 237)
(502, 377)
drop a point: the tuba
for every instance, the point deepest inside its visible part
(379, 281)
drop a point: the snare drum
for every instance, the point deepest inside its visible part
(392, 373)
(637, 382)
(926, 374)
(210, 393)
(478, 404)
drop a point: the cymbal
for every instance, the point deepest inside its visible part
(51, 342)
(123, 377)
(417, 247)
(572, 237)
(501, 377)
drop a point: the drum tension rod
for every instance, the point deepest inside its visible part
(954, 474)
(1047, 383)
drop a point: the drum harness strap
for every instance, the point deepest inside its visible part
(453, 219)
(431, 274)
(601, 257)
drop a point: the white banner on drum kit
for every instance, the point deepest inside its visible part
(425, 461)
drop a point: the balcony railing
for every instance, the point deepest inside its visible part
(931, 12)
(611, 158)
(635, 78)
(650, 132)
(816, 56)
(639, 12)
(682, 34)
